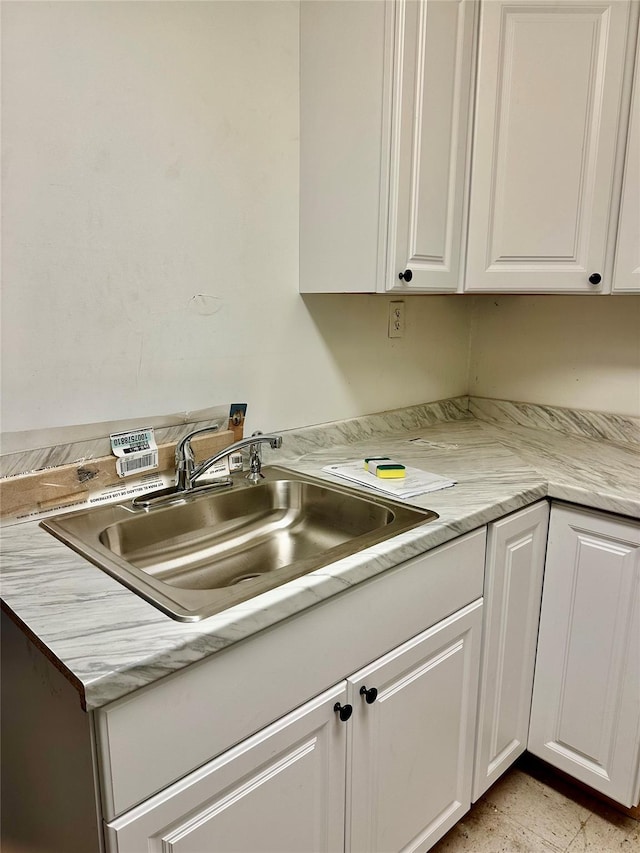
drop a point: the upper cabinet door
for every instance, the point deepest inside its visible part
(430, 129)
(550, 79)
(346, 51)
(626, 277)
(385, 121)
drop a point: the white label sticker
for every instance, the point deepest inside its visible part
(136, 463)
(235, 462)
(133, 441)
(136, 451)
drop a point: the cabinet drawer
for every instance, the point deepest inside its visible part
(162, 732)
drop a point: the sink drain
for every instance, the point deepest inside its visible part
(243, 578)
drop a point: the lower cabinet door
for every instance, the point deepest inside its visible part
(585, 715)
(280, 791)
(516, 548)
(411, 751)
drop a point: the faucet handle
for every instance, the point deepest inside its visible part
(185, 458)
(255, 449)
(255, 460)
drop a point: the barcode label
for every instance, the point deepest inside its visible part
(136, 441)
(134, 463)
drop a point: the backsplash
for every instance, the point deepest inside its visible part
(298, 442)
(580, 422)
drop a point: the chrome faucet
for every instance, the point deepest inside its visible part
(188, 473)
(255, 454)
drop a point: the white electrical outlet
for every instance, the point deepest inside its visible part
(396, 319)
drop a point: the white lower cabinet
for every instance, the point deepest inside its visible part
(395, 772)
(513, 588)
(585, 715)
(213, 759)
(412, 748)
(280, 791)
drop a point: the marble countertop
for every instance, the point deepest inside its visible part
(109, 642)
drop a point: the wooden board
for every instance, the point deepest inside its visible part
(68, 483)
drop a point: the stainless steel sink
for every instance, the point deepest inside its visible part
(198, 557)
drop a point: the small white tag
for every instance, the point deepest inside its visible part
(216, 472)
(235, 462)
(136, 451)
(133, 441)
(136, 463)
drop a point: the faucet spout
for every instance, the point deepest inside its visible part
(253, 442)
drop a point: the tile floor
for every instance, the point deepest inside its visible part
(532, 810)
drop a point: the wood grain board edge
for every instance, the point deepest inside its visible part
(67, 483)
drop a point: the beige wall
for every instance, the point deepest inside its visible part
(576, 351)
(150, 243)
(150, 229)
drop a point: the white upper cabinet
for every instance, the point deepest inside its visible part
(395, 95)
(385, 120)
(430, 128)
(548, 110)
(626, 277)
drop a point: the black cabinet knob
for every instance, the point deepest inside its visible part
(407, 275)
(370, 695)
(595, 278)
(344, 711)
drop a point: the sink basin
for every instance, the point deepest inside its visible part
(214, 550)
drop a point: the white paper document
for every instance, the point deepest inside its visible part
(416, 481)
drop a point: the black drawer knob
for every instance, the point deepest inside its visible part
(407, 275)
(370, 695)
(595, 278)
(344, 711)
